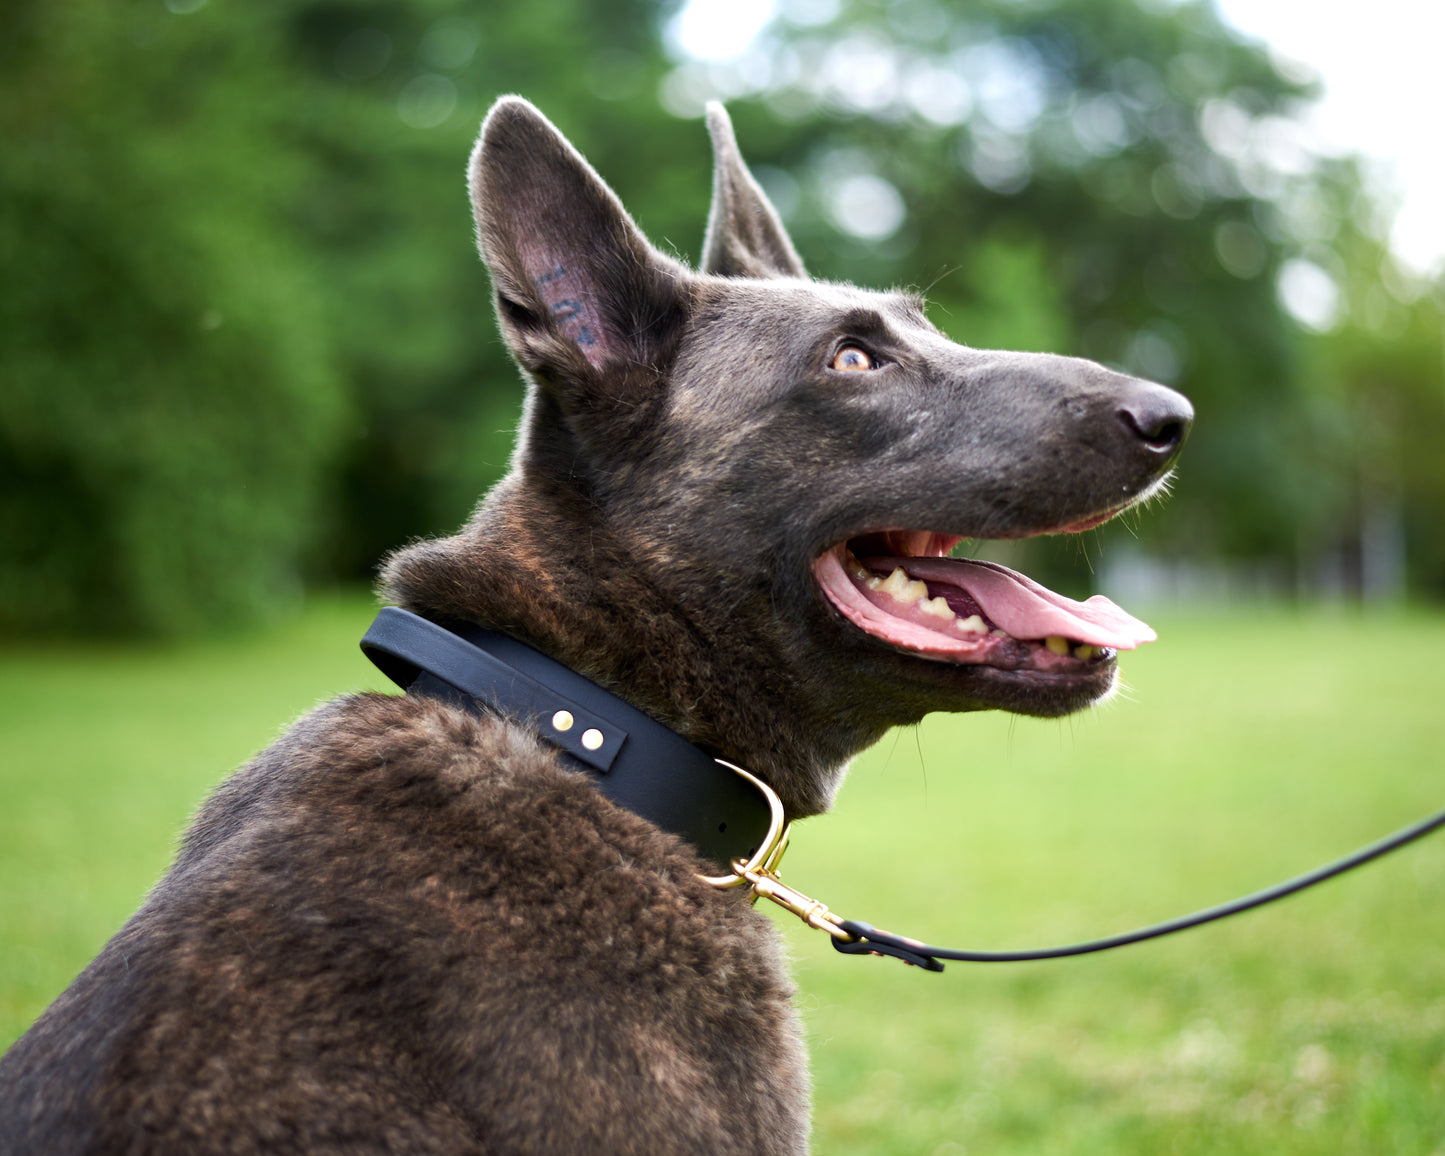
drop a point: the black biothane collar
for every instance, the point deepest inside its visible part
(632, 759)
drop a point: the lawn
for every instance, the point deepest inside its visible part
(1248, 747)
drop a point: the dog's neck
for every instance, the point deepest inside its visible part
(535, 564)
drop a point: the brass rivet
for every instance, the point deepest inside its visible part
(562, 720)
(592, 739)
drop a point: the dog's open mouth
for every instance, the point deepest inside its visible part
(901, 587)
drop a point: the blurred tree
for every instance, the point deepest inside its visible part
(395, 93)
(168, 405)
(1378, 374)
(245, 339)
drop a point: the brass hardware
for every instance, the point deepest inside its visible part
(562, 720)
(770, 865)
(761, 871)
(811, 911)
(770, 851)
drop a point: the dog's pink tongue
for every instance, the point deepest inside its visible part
(1026, 609)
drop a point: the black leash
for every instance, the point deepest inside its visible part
(728, 815)
(870, 938)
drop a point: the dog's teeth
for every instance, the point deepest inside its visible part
(1057, 645)
(973, 624)
(938, 607)
(895, 583)
(903, 588)
(1085, 652)
(997, 633)
(873, 582)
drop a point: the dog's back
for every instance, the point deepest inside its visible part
(408, 927)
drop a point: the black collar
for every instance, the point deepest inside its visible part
(635, 761)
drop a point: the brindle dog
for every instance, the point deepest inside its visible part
(410, 928)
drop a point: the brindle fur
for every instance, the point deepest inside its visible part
(406, 929)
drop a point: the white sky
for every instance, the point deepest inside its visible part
(1381, 63)
(1384, 93)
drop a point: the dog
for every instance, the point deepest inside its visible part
(416, 926)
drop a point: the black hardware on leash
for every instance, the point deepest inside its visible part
(726, 813)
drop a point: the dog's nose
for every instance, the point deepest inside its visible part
(1158, 417)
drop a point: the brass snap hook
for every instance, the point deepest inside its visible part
(760, 871)
(773, 844)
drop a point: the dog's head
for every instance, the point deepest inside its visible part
(783, 466)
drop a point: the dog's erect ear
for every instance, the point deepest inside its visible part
(579, 289)
(745, 238)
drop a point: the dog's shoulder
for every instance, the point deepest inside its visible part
(411, 791)
(423, 824)
(435, 893)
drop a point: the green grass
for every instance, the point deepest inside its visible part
(1248, 748)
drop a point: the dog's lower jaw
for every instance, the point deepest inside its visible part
(1049, 696)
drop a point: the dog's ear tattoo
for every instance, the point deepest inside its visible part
(578, 286)
(744, 238)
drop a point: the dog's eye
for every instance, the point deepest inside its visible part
(850, 357)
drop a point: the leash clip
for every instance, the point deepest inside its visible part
(767, 854)
(760, 870)
(766, 885)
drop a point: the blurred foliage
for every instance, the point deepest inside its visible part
(245, 341)
(168, 400)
